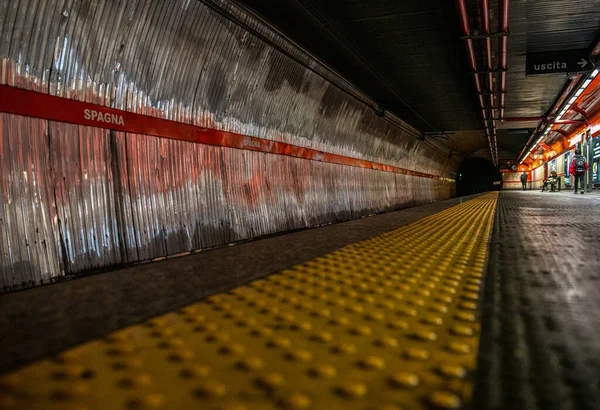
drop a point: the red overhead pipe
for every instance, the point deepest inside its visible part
(464, 19)
(545, 120)
(562, 132)
(519, 119)
(485, 28)
(503, 17)
(567, 122)
(464, 23)
(503, 46)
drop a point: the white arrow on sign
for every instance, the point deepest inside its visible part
(583, 62)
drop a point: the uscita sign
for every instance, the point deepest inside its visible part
(554, 65)
(103, 117)
(563, 61)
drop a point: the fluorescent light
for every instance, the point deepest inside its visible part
(586, 83)
(578, 93)
(594, 73)
(559, 117)
(572, 100)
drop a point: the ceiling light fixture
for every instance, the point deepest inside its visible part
(547, 130)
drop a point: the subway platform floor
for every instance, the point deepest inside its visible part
(593, 194)
(487, 303)
(541, 311)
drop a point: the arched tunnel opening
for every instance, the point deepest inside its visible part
(476, 175)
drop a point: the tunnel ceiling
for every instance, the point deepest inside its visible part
(402, 53)
(408, 56)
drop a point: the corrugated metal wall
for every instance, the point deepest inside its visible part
(77, 198)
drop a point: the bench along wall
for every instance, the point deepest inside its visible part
(77, 198)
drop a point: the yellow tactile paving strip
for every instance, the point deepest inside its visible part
(387, 323)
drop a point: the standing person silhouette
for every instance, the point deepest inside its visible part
(524, 180)
(578, 169)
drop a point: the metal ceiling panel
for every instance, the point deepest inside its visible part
(401, 53)
(550, 25)
(412, 47)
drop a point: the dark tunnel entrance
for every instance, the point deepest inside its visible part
(477, 175)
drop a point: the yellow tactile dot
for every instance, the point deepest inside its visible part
(459, 347)
(372, 363)
(136, 380)
(445, 400)
(424, 335)
(120, 350)
(211, 389)
(472, 288)
(404, 380)
(128, 363)
(415, 302)
(453, 371)
(362, 330)
(206, 327)
(433, 320)
(270, 381)
(150, 401)
(463, 330)
(444, 299)
(355, 309)
(438, 308)
(163, 332)
(305, 326)
(279, 342)
(468, 305)
(374, 316)
(322, 370)
(386, 305)
(352, 389)
(249, 363)
(175, 342)
(296, 400)
(218, 337)
(181, 355)
(232, 349)
(322, 336)
(406, 311)
(416, 354)
(470, 296)
(397, 295)
(339, 321)
(398, 324)
(386, 341)
(298, 355)
(465, 316)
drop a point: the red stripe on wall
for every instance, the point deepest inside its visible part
(34, 104)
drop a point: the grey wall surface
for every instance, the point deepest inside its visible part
(75, 199)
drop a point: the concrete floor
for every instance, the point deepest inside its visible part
(541, 318)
